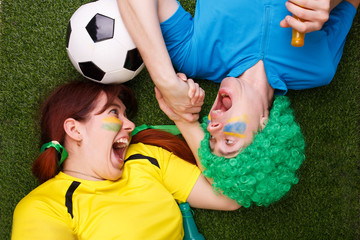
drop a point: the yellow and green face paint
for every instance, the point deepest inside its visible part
(236, 126)
(112, 124)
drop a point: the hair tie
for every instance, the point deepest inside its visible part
(59, 148)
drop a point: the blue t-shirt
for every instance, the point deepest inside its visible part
(225, 39)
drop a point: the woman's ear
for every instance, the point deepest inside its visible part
(72, 129)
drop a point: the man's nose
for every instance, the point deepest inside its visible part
(213, 126)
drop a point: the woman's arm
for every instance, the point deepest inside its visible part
(142, 19)
(203, 196)
(193, 135)
(191, 131)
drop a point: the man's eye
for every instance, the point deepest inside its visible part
(229, 142)
(211, 137)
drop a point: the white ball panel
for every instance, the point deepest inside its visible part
(119, 76)
(109, 55)
(122, 34)
(73, 61)
(108, 8)
(84, 14)
(81, 45)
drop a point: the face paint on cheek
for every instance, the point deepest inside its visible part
(236, 126)
(242, 118)
(236, 129)
(209, 119)
(112, 124)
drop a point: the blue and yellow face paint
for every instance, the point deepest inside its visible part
(236, 126)
(112, 124)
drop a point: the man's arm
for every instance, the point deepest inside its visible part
(142, 20)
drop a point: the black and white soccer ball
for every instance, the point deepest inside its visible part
(99, 45)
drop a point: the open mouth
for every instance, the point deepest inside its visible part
(223, 103)
(120, 146)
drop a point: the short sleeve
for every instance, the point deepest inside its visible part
(337, 28)
(179, 176)
(33, 219)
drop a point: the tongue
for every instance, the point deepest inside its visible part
(119, 152)
(226, 101)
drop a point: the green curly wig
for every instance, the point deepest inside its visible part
(264, 171)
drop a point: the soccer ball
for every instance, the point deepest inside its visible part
(99, 46)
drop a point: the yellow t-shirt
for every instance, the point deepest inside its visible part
(140, 205)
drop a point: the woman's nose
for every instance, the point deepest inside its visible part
(128, 125)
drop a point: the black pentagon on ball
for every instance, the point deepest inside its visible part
(101, 28)
(90, 70)
(133, 60)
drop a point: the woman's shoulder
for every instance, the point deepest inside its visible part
(47, 195)
(42, 213)
(145, 149)
(155, 155)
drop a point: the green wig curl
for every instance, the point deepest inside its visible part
(264, 171)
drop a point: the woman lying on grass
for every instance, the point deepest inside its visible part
(96, 185)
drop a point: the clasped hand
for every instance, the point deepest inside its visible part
(186, 109)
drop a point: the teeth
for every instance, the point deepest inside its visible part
(217, 110)
(122, 142)
(224, 95)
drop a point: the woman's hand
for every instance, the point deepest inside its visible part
(196, 95)
(190, 130)
(176, 96)
(313, 14)
(164, 107)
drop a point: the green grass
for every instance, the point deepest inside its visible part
(325, 203)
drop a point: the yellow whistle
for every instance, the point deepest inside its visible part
(297, 37)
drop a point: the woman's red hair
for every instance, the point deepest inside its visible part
(76, 100)
(165, 140)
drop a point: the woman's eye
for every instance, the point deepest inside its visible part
(114, 111)
(211, 137)
(229, 142)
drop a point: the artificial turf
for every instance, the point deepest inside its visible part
(323, 205)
